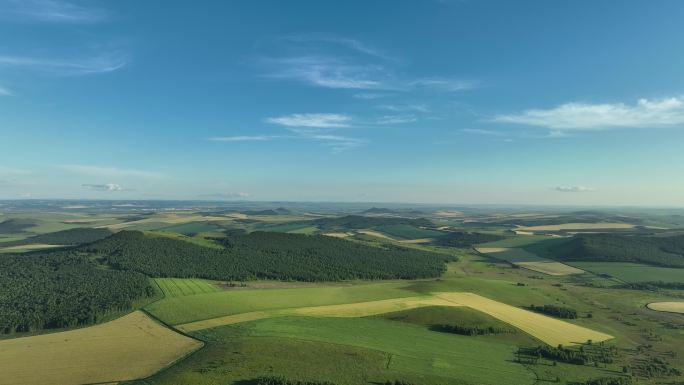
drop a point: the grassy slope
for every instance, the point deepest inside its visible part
(413, 349)
(203, 306)
(633, 272)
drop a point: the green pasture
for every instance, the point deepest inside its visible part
(179, 287)
(632, 272)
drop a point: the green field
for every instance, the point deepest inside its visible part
(179, 287)
(183, 309)
(412, 348)
(191, 227)
(633, 272)
(408, 231)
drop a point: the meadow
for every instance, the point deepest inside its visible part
(633, 272)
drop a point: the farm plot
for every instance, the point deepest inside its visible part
(668, 307)
(177, 287)
(530, 261)
(549, 330)
(128, 348)
(633, 272)
(578, 227)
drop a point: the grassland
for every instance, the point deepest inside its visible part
(408, 231)
(411, 348)
(178, 287)
(185, 309)
(128, 348)
(633, 272)
(669, 307)
(528, 260)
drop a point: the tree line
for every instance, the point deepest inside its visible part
(62, 289)
(554, 310)
(651, 250)
(266, 255)
(470, 330)
(75, 236)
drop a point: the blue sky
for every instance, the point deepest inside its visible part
(472, 101)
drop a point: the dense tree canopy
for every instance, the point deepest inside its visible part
(363, 222)
(659, 251)
(465, 239)
(266, 255)
(75, 236)
(62, 289)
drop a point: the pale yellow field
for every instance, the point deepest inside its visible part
(376, 234)
(168, 218)
(550, 267)
(416, 241)
(550, 330)
(338, 235)
(670, 307)
(36, 246)
(579, 226)
(131, 347)
(508, 253)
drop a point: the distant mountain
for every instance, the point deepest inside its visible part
(378, 210)
(363, 222)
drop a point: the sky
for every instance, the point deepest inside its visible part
(452, 101)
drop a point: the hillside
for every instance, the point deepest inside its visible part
(363, 222)
(658, 251)
(75, 236)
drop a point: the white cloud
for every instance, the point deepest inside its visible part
(443, 84)
(480, 131)
(396, 119)
(369, 95)
(312, 120)
(328, 72)
(108, 171)
(103, 187)
(349, 43)
(405, 108)
(101, 63)
(50, 11)
(582, 116)
(573, 189)
(5, 92)
(243, 138)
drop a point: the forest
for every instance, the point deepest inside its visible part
(62, 289)
(465, 239)
(75, 236)
(556, 311)
(657, 251)
(266, 255)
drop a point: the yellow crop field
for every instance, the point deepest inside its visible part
(579, 226)
(131, 347)
(550, 267)
(376, 234)
(550, 330)
(669, 307)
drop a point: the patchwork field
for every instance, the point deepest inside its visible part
(128, 348)
(669, 307)
(550, 267)
(551, 331)
(633, 272)
(578, 226)
(178, 287)
(528, 260)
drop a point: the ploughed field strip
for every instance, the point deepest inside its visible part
(549, 330)
(530, 261)
(128, 348)
(669, 307)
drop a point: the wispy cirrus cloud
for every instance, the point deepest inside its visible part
(342, 63)
(573, 189)
(5, 91)
(243, 138)
(111, 172)
(316, 120)
(481, 131)
(584, 116)
(50, 11)
(100, 63)
(103, 187)
(225, 195)
(396, 119)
